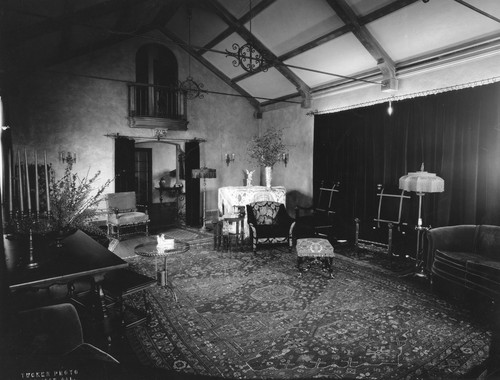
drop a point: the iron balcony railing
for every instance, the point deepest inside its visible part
(147, 100)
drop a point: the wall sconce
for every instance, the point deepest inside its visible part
(68, 157)
(284, 158)
(229, 158)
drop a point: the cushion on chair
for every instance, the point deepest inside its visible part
(128, 218)
(122, 201)
(488, 241)
(314, 247)
(266, 212)
(484, 276)
(451, 265)
(272, 230)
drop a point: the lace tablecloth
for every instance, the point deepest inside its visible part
(231, 196)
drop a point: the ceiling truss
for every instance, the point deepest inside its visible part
(127, 26)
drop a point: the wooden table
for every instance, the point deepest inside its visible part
(80, 256)
(223, 231)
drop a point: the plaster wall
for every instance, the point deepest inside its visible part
(72, 107)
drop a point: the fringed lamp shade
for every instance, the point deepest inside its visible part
(421, 182)
(203, 173)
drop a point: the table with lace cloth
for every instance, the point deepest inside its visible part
(231, 196)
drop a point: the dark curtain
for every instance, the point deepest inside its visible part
(192, 161)
(7, 160)
(455, 134)
(124, 165)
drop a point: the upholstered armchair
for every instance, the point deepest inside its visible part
(124, 217)
(269, 222)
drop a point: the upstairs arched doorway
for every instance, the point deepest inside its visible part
(156, 68)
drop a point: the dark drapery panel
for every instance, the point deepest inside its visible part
(124, 165)
(455, 134)
(192, 161)
(8, 170)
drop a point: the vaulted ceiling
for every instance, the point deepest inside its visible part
(307, 46)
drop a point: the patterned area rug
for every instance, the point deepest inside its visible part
(240, 315)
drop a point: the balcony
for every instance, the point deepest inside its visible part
(153, 106)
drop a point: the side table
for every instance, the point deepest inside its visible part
(151, 250)
(228, 228)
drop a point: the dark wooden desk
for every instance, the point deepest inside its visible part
(80, 256)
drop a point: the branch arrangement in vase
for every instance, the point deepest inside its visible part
(268, 148)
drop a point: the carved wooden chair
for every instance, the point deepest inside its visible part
(390, 225)
(124, 217)
(318, 220)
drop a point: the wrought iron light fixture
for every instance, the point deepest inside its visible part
(246, 56)
(191, 89)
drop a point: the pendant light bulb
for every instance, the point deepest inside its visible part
(389, 109)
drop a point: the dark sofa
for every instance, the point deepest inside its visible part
(468, 256)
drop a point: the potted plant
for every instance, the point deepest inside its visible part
(74, 202)
(267, 150)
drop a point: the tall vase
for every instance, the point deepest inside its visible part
(269, 176)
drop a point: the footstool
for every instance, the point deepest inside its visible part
(315, 248)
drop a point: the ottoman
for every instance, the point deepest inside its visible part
(315, 248)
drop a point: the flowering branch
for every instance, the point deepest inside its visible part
(74, 200)
(267, 149)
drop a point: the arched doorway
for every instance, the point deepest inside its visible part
(156, 67)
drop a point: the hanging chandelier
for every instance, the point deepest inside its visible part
(246, 56)
(191, 89)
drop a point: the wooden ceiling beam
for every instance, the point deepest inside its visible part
(254, 102)
(261, 6)
(384, 62)
(229, 19)
(348, 16)
(385, 10)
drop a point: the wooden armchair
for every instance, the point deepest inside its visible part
(123, 215)
(318, 220)
(389, 230)
(269, 222)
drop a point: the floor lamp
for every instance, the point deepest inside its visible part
(204, 173)
(421, 182)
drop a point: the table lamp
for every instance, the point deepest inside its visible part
(421, 182)
(204, 173)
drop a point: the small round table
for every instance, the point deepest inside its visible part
(151, 250)
(223, 233)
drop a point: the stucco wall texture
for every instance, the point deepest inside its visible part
(73, 105)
